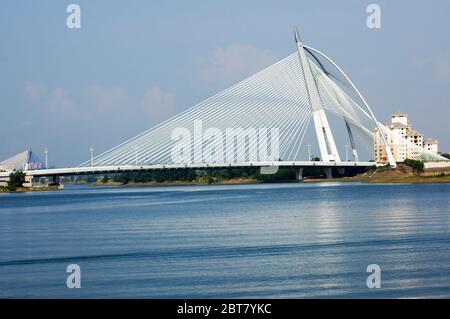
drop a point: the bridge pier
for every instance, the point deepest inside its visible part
(299, 174)
(329, 172)
(28, 181)
(55, 180)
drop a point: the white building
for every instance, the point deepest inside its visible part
(400, 117)
(431, 145)
(405, 142)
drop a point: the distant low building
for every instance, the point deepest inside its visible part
(25, 160)
(405, 142)
(431, 145)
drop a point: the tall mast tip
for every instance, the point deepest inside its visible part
(297, 37)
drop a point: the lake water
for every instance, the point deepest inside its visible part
(233, 241)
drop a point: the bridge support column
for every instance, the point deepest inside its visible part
(55, 180)
(299, 174)
(329, 172)
(28, 181)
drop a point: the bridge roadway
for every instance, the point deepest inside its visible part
(55, 172)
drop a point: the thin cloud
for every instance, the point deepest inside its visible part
(234, 62)
(96, 101)
(53, 100)
(158, 104)
(106, 98)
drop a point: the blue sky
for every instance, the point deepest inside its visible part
(135, 63)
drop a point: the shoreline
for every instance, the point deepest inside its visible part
(403, 174)
(234, 181)
(358, 179)
(32, 189)
(404, 180)
(399, 176)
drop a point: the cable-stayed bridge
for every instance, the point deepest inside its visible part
(261, 121)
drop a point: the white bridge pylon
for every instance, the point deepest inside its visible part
(263, 118)
(327, 146)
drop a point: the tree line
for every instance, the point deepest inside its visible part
(203, 175)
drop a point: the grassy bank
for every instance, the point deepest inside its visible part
(400, 175)
(31, 189)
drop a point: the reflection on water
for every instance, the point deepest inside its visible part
(221, 241)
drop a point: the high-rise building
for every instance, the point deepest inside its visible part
(405, 142)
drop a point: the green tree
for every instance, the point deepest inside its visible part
(415, 165)
(123, 178)
(16, 179)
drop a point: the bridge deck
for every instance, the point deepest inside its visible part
(131, 168)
